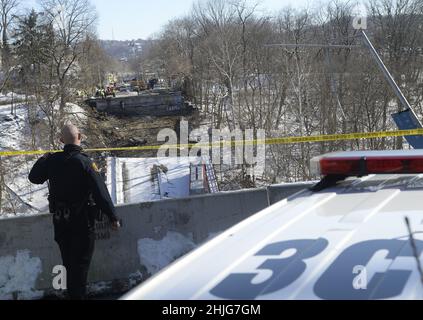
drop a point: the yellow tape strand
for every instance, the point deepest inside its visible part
(270, 141)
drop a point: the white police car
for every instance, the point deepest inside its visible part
(345, 239)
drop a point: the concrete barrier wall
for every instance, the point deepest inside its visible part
(116, 256)
(280, 192)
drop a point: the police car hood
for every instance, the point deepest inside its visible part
(347, 242)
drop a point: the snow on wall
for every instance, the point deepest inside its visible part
(18, 276)
(156, 255)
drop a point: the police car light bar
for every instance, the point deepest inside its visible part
(362, 163)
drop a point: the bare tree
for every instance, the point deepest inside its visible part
(93, 65)
(294, 90)
(222, 46)
(72, 21)
(8, 10)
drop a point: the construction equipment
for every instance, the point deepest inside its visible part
(138, 85)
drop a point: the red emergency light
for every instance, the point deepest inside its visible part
(363, 163)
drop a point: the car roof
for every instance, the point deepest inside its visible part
(346, 242)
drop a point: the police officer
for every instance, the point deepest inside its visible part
(77, 195)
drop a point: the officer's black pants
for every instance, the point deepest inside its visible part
(77, 251)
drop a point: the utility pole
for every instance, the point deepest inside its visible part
(386, 73)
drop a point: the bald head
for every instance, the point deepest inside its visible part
(70, 135)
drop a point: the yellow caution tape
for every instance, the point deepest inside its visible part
(269, 141)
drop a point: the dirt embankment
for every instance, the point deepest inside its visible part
(109, 131)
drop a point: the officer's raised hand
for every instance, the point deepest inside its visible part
(116, 225)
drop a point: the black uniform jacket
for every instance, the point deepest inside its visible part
(73, 178)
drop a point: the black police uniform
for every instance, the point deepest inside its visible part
(74, 183)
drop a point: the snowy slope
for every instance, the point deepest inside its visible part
(23, 198)
(12, 128)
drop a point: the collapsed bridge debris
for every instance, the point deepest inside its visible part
(161, 102)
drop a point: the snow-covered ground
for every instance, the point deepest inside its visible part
(11, 97)
(21, 197)
(13, 128)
